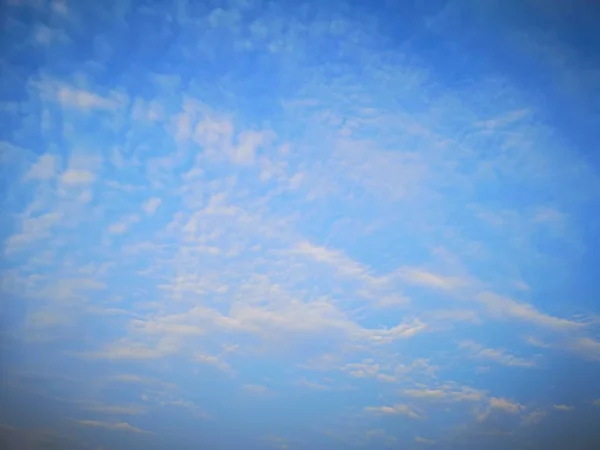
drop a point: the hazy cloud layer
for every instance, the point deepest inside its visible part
(289, 226)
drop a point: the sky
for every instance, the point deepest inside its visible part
(289, 225)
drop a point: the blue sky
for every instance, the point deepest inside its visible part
(299, 225)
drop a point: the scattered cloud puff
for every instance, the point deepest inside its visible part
(213, 212)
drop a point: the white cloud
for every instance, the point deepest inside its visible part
(522, 286)
(114, 426)
(562, 407)
(428, 279)
(45, 168)
(214, 134)
(248, 144)
(534, 417)
(32, 229)
(447, 393)
(312, 385)
(502, 406)
(81, 169)
(368, 369)
(256, 389)
(384, 174)
(150, 111)
(151, 205)
(333, 258)
(123, 225)
(586, 347)
(182, 124)
(398, 409)
(131, 378)
(279, 320)
(215, 361)
(75, 177)
(113, 409)
(420, 440)
(170, 327)
(324, 362)
(505, 405)
(500, 356)
(195, 291)
(503, 307)
(548, 215)
(82, 99)
(505, 119)
(400, 331)
(426, 393)
(536, 342)
(69, 289)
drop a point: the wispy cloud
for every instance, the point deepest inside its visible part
(507, 308)
(82, 99)
(256, 389)
(499, 356)
(446, 392)
(562, 407)
(32, 229)
(496, 406)
(77, 177)
(398, 409)
(369, 369)
(151, 205)
(534, 417)
(505, 405)
(45, 168)
(428, 279)
(113, 426)
(333, 258)
(114, 409)
(584, 346)
(124, 224)
(72, 97)
(314, 207)
(215, 361)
